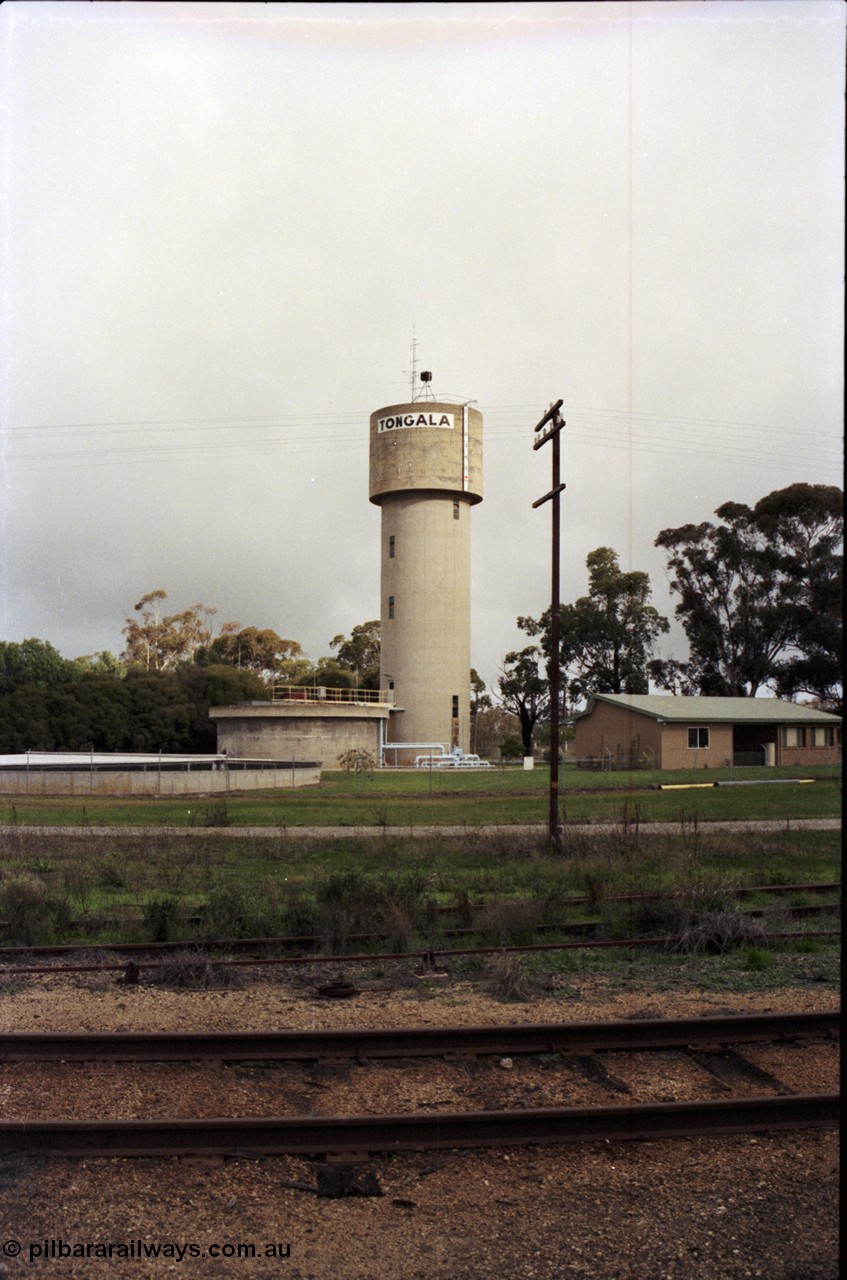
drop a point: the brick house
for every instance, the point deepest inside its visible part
(666, 732)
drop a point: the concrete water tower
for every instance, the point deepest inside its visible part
(426, 474)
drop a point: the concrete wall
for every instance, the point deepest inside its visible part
(285, 731)
(426, 644)
(425, 457)
(426, 478)
(149, 782)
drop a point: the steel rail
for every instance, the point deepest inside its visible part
(245, 944)
(427, 955)
(580, 928)
(359, 1135)
(634, 1035)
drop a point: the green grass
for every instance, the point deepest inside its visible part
(652, 971)
(148, 879)
(474, 799)
(275, 883)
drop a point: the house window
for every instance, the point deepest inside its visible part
(821, 736)
(698, 737)
(391, 547)
(455, 511)
(455, 706)
(391, 606)
(794, 736)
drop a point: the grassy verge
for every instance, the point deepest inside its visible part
(746, 969)
(149, 885)
(478, 799)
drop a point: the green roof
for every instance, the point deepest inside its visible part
(665, 706)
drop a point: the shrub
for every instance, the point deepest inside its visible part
(77, 881)
(510, 924)
(348, 904)
(32, 914)
(214, 814)
(112, 874)
(223, 913)
(300, 914)
(716, 932)
(344, 906)
(464, 908)
(399, 931)
(358, 761)
(232, 912)
(172, 862)
(160, 917)
(507, 979)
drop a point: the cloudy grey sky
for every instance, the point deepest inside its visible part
(224, 223)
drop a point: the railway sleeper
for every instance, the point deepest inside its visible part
(594, 1069)
(345, 1174)
(729, 1067)
(325, 1069)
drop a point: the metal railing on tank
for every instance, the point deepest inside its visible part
(323, 693)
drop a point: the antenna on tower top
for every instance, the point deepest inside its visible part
(414, 369)
(424, 391)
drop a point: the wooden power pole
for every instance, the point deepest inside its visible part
(556, 423)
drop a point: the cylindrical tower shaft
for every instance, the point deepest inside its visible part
(426, 474)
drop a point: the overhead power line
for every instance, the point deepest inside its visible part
(57, 445)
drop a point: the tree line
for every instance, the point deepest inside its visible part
(157, 694)
(759, 599)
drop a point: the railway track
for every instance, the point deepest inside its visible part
(253, 946)
(428, 956)
(636, 1035)
(305, 949)
(710, 1041)
(360, 1136)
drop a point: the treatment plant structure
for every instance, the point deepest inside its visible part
(426, 475)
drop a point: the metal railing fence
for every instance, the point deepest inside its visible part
(323, 693)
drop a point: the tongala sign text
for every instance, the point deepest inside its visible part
(415, 420)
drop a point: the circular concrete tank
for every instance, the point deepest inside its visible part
(426, 474)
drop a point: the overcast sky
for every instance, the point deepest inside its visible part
(224, 223)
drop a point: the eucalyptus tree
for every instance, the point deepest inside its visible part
(360, 653)
(524, 690)
(760, 594)
(606, 637)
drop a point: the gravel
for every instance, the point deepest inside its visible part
(718, 1208)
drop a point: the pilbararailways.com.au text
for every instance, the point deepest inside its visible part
(180, 1251)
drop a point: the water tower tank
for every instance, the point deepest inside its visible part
(426, 475)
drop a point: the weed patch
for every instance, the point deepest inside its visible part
(756, 958)
(192, 971)
(509, 924)
(507, 979)
(715, 932)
